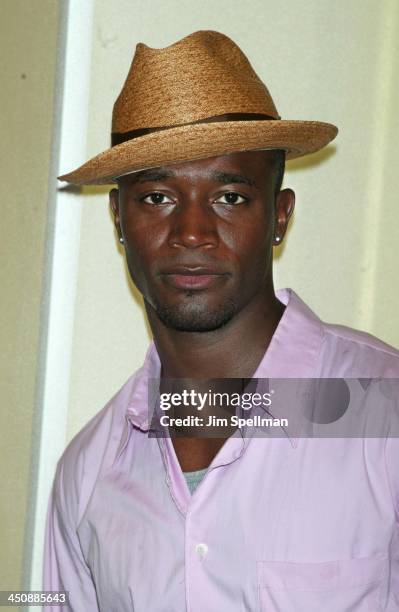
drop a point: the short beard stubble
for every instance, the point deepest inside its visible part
(193, 316)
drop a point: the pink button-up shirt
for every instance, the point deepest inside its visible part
(276, 524)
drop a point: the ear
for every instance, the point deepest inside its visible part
(114, 204)
(284, 207)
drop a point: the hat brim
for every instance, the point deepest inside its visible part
(199, 141)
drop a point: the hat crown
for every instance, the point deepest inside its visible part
(201, 76)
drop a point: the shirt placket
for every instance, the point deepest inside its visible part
(198, 543)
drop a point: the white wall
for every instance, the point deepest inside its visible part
(60, 273)
(332, 61)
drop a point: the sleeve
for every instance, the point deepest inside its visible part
(64, 567)
(392, 469)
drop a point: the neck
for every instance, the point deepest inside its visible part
(234, 350)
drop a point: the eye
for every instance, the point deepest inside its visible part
(231, 198)
(156, 198)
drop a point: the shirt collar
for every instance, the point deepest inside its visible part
(145, 381)
(294, 348)
(292, 353)
(137, 413)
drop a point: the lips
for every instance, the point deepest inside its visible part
(192, 277)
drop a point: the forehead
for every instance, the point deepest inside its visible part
(251, 167)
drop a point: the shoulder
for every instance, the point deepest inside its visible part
(354, 353)
(332, 351)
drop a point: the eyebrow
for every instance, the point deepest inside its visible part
(160, 174)
(228, 177)
(153, 175)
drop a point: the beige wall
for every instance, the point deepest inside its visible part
(333, 61)
(28, 39)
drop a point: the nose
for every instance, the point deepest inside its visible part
(193, 225)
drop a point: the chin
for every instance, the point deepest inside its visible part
(195, 317)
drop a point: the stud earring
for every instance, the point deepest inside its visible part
(121, 239)
(277, 239)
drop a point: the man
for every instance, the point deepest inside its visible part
(241, 521)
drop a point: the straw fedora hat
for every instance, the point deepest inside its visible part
(197, 98)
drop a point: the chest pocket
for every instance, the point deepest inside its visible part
(353, 585)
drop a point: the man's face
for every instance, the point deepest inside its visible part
(198, 236)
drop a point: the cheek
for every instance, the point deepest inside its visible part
(251, 244)
(135, 266)
(142, 245)
(143, 237)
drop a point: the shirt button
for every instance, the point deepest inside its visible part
(201, 549)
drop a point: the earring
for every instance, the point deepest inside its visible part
(121, 239)
(277, 239)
